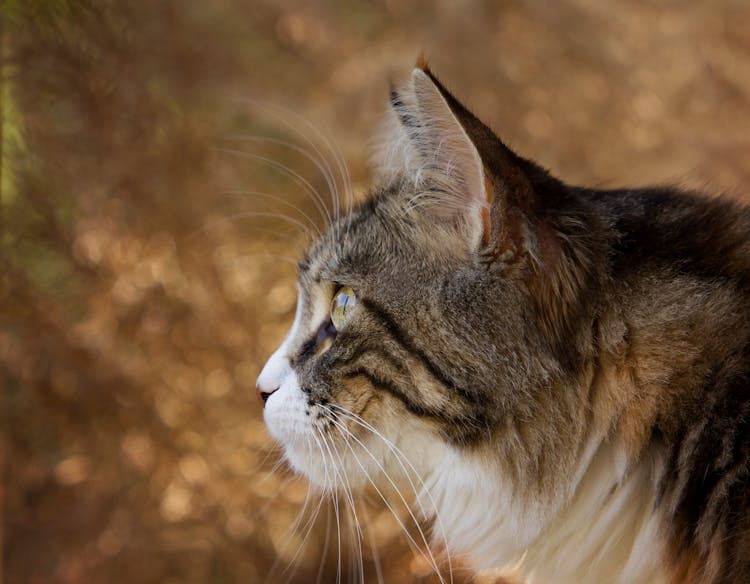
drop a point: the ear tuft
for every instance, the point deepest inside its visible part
(448, 154)
(404, 113)
(422, 62)
(423, 141)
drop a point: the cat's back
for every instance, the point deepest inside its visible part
(707, 238)
(680, 283)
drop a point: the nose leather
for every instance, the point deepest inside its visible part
(264, 392)
(272, 376)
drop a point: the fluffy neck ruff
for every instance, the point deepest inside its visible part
(599, 527)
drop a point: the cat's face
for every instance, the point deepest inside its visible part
(413, 332)
(360, 373)
(363, 372)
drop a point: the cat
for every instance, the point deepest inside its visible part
(560, 372)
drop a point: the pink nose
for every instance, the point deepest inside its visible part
(264, 392)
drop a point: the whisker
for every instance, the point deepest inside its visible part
(326, 542)
(334, 492)
(279, 234)
(349, 495)
(295, 176)
(290, 532)
(431, 557)
(373, 547)
(258, 512)
(288, 536)
(333, 150)
(310, 523)
(320, 163)
(345, 481)
(269, 214)
(270, 197)
(277, 465)
(401, 458)
(264, 254)
(277, 111)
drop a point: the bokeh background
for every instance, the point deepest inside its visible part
(144, 279)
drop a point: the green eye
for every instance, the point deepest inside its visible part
(342, 305)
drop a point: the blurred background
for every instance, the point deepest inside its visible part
(154, 192)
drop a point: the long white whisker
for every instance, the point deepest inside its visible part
(326, 542)
(334, 492)
(333, 150)
(308, 527)
(273, 450)
(278, 234)
(288, 536)
(320, 163)
(281, 235)
(258, 512)
(218, 222)
(398, 492)
(373, 547)
(350, 499)
(277, 111)
(295, 176)
(270, 197)
(401, 458)
(300, 516)
(265, 254)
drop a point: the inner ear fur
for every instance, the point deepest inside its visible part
(447, 172)
(506, 187)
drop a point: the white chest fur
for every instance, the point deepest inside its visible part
(598, 528)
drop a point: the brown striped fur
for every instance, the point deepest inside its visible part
(529, 324)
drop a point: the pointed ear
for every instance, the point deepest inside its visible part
(461, 171)
(424, 142)
(451, 161)
(508, 178)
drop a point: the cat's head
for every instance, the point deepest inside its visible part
(434, 310)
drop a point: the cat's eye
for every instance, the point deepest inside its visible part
(342, 305)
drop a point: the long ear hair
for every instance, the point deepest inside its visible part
(427, 145)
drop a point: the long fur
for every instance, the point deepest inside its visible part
(563, 372)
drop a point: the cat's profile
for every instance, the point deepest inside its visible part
(561, 372)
